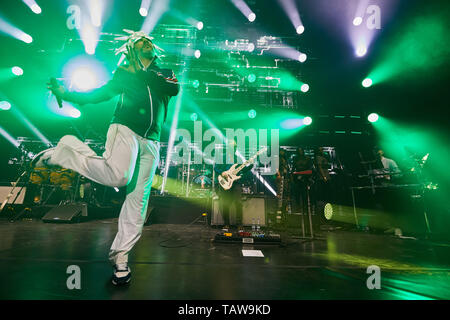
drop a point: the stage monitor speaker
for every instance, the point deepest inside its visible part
(254, 211)
(4, 192)
(66, 213)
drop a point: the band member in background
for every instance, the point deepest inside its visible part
(231, 198)
(301, 163)
(283, 181)
(387, 164)
(132, 145)
(322, 175)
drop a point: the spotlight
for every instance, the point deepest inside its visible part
(84, 79)
(197, 53)
(307, 121)
(36, 9)
(252, 114)
(143, 12)
(194, 116)
(361, 51)
(367, 82)
(17, 71)
(357, 21)
(26, 38)
(251, 78)
(33, 6)
(302, 57)
(300, 29)
(5, 105)
(328, 211)
(251, 17)
(304, 87)
(195, 84)
(75, 113)
(373, 117)
(250, 47)
(199, 25)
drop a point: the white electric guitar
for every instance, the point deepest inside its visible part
(227, 178)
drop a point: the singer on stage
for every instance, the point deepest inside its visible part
(132, 146)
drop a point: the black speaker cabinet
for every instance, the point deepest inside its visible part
(66, 213)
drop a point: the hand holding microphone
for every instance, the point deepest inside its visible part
(57, 90)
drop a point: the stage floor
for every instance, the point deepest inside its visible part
(182, 262)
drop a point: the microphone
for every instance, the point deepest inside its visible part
(54, 84)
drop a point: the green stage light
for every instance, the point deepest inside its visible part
(302, 57)
(199, 25)
(307, 121)
(197, 53)
(18, 71)
(252, 114)
(367, 82)
(195, 84)
(194, 116)
(84, 79)
(328, 211)
(290, 124)
(5, 105)
(304, 87)
(251, 78)
(373, 117)
(75, 113)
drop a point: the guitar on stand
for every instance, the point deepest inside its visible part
(227, 178)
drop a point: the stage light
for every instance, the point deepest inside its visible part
(251, 78)
(307, 121)
(143, 12)
(75, 113)
(194, 116)
(361, 51)
(328, 211)
(367, 82)
(33, 6)
(373, 117)
(84, 79)
(8, 137)
(89, 35)
(250, 47)
(145, 5)
(26, 38)
(302, 57)
(357, 21)
(159, 7)
(197, 53)
(290, 9)
(96, 11)
(195, 84)
(304, 87)
(9, 29)
(199, 25)
(17, 71)
(252, 114)
(244, 9)
(5, 105)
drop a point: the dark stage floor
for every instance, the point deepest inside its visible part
(182, 262)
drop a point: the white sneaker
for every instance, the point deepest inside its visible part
(121, 275)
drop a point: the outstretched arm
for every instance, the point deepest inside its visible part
(104, 93)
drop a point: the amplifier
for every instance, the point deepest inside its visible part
(253, 209)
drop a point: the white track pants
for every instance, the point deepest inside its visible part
(129, 160)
